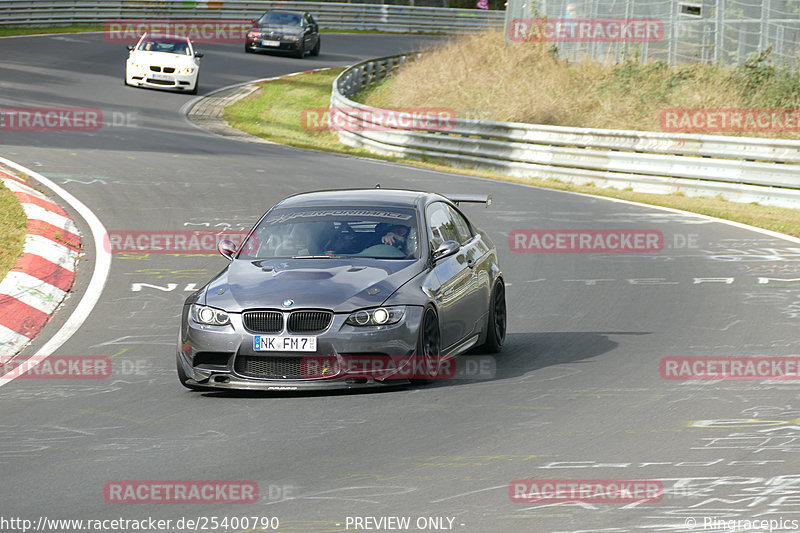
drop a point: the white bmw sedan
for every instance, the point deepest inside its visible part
(164, 63)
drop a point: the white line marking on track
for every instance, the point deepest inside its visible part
(470, 492)
(739, 225)
(102, 266)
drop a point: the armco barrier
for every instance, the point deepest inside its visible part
(328, 14)
(737, 168)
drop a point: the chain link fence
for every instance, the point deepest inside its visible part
(707, 31)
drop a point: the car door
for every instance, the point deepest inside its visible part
(309, 31)
(315, 27)
(454, 276)
(474, 252)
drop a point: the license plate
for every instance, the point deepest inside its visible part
(270, 43)
(264, 343)
(159, 76)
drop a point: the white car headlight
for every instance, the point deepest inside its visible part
(185, 70)
(380, 316)
(292, 37)
(210, 316)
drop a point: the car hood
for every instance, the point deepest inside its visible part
(160, 58)
(341, 285)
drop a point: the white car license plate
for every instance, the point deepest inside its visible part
(264, 343)
(270, 43)
(159, 76)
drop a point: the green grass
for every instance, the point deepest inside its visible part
(274, 112)
(9, 32)
(13, 226)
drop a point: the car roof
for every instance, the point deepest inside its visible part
(165, 38)
(284, 11)
(361, 197)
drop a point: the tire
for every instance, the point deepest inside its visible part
(429, 344)
(184, 379)
(315, 50)
(300, 54)
(498, 320)
(248, 50)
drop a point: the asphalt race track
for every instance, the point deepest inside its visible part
(577, 393)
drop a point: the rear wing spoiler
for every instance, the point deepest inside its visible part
(470, 198)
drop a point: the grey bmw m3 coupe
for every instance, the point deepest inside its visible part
(346, 289)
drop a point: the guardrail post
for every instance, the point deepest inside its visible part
(673, 32)
(719, 40)
(766, 11)
(369, 75)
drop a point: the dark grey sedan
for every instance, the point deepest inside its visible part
(346, 289)
(294, 32)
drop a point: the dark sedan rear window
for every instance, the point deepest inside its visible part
(324, 232)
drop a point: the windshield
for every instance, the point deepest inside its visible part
(325, 232)
(279, 18)
(165, 45)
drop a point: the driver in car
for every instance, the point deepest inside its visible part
(395, 236)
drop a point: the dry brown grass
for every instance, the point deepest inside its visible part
(13, 226)
(482, 77)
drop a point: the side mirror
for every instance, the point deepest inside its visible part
(227, 249)
(446, 249)
(198, 54)
(130, 47)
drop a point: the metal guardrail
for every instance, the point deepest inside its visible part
(328, 14)
(738, 168)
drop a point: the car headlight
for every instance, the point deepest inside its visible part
(292, 37)
(380, 316)
(253, 35)
(210, 316)
(186, 70)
